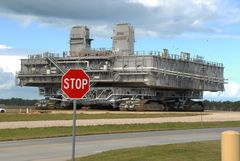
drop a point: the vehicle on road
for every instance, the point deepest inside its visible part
(122, 78)
(3, 109)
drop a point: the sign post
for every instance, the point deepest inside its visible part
(75, 84)
(74, 130)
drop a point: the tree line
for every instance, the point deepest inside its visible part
(18, 102)
(222, 105)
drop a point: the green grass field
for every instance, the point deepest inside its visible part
(48, 116)
(31, 133)
(195, 151)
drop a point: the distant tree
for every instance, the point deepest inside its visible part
(225, 105)
(18, 102)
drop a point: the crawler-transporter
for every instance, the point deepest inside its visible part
(122, 78)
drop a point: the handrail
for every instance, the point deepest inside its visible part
(55, 64)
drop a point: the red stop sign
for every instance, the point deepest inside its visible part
(75, 83)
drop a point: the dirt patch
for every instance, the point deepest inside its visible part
(211, 117)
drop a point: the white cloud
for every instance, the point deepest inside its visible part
(7, 85)
(9, 90)
(3, 47)
(232, 92)
(148, 3)
(100, 30)
(161, 18)
(232, 89)
(6, 80)
(210, 4)
(146, 33)
(10, 60)
(10, 63)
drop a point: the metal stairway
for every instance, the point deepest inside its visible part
(55, 64)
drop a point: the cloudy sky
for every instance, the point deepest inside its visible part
(209, 28)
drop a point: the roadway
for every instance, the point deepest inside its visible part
(59, 149)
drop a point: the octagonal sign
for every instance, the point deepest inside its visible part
(75, 83)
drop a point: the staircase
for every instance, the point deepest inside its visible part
(55, 64)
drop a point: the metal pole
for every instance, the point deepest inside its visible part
(74, 130)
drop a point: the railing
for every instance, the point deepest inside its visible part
(55, 64)
(43, 55)
(170, 72)
(195, 59)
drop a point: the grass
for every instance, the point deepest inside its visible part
(195, 151)
(31, 133)
(6, 117)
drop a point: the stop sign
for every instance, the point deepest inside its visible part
(75, 83)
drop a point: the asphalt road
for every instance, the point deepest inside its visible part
(59, 149)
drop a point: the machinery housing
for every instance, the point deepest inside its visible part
(123, 78)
